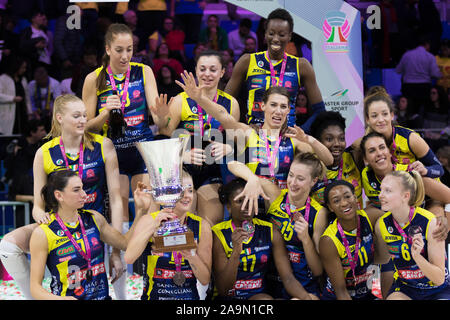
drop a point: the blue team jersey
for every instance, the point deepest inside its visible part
(159, 269)
(254, 258)
(280, 218)
(406, 270)
(94, 176)
(257, 160)
(66, 265)
(258, 80)
(136, 112)
(189, 119)
(358, 290)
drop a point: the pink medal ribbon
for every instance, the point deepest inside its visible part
(80, 157)
(86, 256)
(123, 96)
(208, 118)
(400, 229)
(339, 176)
(272, 70)
(271, 156)
(307, 208)
(353, 260)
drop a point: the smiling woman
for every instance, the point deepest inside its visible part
(347, 246)
(274, 67)
(242, 249)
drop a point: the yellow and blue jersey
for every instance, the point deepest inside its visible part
(94, 176)
(280, 218)
(254, 258)
(350, 173)
(66, 265)
(358, 289)
(403, 151)
(159, 269)
(136, 112)
(406, 270)
(189, 119)
(257, 159)
(258, 80)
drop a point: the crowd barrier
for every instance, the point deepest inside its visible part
(9, 208)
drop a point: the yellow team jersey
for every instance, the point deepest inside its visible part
(257, 159)
(402, 152)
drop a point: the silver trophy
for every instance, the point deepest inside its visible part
(164, 161)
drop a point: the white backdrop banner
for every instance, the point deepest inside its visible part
(334, 29)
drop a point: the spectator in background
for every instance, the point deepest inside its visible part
(15, 104)
(87, 65)
(175, 39)
(89, 17)
(68, 48)
(150, 15)
(43, 92)
(139, 56)
(237, 38)
(401, 112)
(9, 38)
(302, 111)
(20, 166)
(131, 20)
(192, 62)
(166, 82)
(250, 45)
(163, 58)
(436, 115)
(36, 42)
(443, 155)
(228, 63)
(213, 35)
(190, 15)
(430, 23)
(443, 62)
(417, 67)
(159, 36)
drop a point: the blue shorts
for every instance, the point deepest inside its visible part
(130, 161)
(387, 267)
(440, 293)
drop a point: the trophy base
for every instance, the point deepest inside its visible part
(174, 242)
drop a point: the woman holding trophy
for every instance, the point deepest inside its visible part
(269, 151)
(71, 147)
(187, 118)
(171, 274)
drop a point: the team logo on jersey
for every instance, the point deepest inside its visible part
(373, 185)
(136, 94)
(194, 110)
(59, 162)
(260, 64)
(390, 229)
(60, 233)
